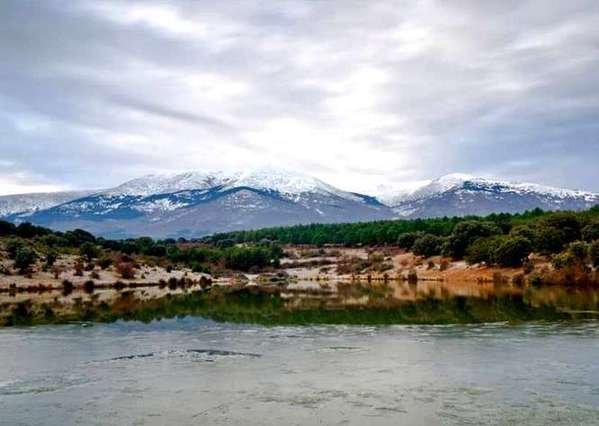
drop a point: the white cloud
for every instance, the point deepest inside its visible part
(160, 16)
(12, 186)
(358, 94)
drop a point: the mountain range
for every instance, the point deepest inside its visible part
(195, 204)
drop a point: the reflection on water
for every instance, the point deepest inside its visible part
(310, 302)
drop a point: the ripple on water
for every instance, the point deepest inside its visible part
(342, 349)
(41, 385)
(208, 355)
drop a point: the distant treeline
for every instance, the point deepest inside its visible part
(367, 233)
(571, 238)
(503, 239)
(26, 243)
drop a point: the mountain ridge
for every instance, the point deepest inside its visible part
(197, 203)
(460, 194)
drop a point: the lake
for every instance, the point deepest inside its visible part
(307, 353)
(195, 371)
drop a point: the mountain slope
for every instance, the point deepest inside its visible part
(195, 204)
(461, 195)
(28, 203)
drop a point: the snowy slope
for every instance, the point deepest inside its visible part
(196, 203)
(199, 203)
(28, 203)
(169, 183)
(289, 183)
(173, 191)
(461, 194)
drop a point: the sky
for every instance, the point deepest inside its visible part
(361, 94)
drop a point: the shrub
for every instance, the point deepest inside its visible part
(406, 240)
(27, 230)
(89, 250)
(590, 232)
(594, 253)
(525, 231)
(427, 245)
(51, 257)
(465, 233)
(512, 251)
(157, 250)
(125, 269)
(227, 242)
(24, 258)
(105, 261)
(482, 250)
(77, 237)
(579, 250)
(13, 246)
(564, 260)
(7, 228)
(551, 240)
(199, 268)
(566, 222)
(78, 269)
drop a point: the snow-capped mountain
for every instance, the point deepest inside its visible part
(194, 204)
(289, 184)
(199, 203)
(460, 194)
(29, 203)
(169, 183)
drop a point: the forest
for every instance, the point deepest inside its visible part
(503, 239)
(570, 239)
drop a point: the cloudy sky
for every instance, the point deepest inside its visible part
(358, 93)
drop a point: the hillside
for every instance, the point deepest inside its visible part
(195, 204)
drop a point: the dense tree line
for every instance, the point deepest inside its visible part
(503, 239)
(365, 233)
(25, 243)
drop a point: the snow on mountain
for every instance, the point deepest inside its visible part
(199, 203)
(455, 181)
(460, 194)
(169, 183)
(289, 184)
(29, 203)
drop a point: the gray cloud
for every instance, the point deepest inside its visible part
(359, 94)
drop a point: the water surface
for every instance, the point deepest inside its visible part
(196, 371)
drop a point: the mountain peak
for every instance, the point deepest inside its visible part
(284, 181)
(470, 183)
(456, 177)
(200, 202)
(268, 178)
(168, 183)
